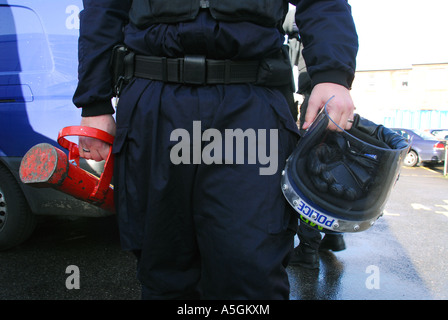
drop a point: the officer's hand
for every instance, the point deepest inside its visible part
(340, 108)
(91, 148)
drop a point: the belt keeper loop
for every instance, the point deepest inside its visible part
(180, 70)
(164, 70)
(129, 66)
(195, 70)
(227, 72)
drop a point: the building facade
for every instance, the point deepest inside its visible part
(415, 97)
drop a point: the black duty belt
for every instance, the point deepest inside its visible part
(195, 70)
(272, 71)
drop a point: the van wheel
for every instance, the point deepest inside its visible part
(17, 222)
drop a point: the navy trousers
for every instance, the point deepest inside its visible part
(211, 231)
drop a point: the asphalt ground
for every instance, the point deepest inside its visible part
(404, 256)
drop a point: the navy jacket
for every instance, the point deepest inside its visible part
(326, 28)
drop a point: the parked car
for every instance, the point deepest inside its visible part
(441, 134)
(38, 76)
(425, 147)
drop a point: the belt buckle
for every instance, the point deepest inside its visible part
(194, 69)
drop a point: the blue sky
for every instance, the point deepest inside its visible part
(398, 33)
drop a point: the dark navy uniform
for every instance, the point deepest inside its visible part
(215, 231)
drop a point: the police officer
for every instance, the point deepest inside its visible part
(221, 230)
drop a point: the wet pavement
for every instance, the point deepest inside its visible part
(403, 256)
(37, 269)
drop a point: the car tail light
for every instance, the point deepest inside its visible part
(439, 146)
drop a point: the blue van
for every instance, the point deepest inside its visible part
(38, 76)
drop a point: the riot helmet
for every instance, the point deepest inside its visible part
(339, 181)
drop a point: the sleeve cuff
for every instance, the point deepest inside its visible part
(333, 76)
(97, 109)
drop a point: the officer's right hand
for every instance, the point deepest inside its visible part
(340, 108)
(91, 148)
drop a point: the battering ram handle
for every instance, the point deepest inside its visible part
(47, 166)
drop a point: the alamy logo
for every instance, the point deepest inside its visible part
(72, 281)
(373, 280)
(233, 146)
(72, 21)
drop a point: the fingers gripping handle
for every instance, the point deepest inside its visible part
(106, 177)
(81, 131)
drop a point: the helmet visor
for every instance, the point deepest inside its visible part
(340, 180)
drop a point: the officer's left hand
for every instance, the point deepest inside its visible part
(340, 108)
(95, 149)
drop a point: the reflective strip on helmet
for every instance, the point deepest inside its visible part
(316, 215)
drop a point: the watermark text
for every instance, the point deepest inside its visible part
(233, 146)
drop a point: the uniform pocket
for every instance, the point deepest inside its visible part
(118, 149)
(120, 139)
